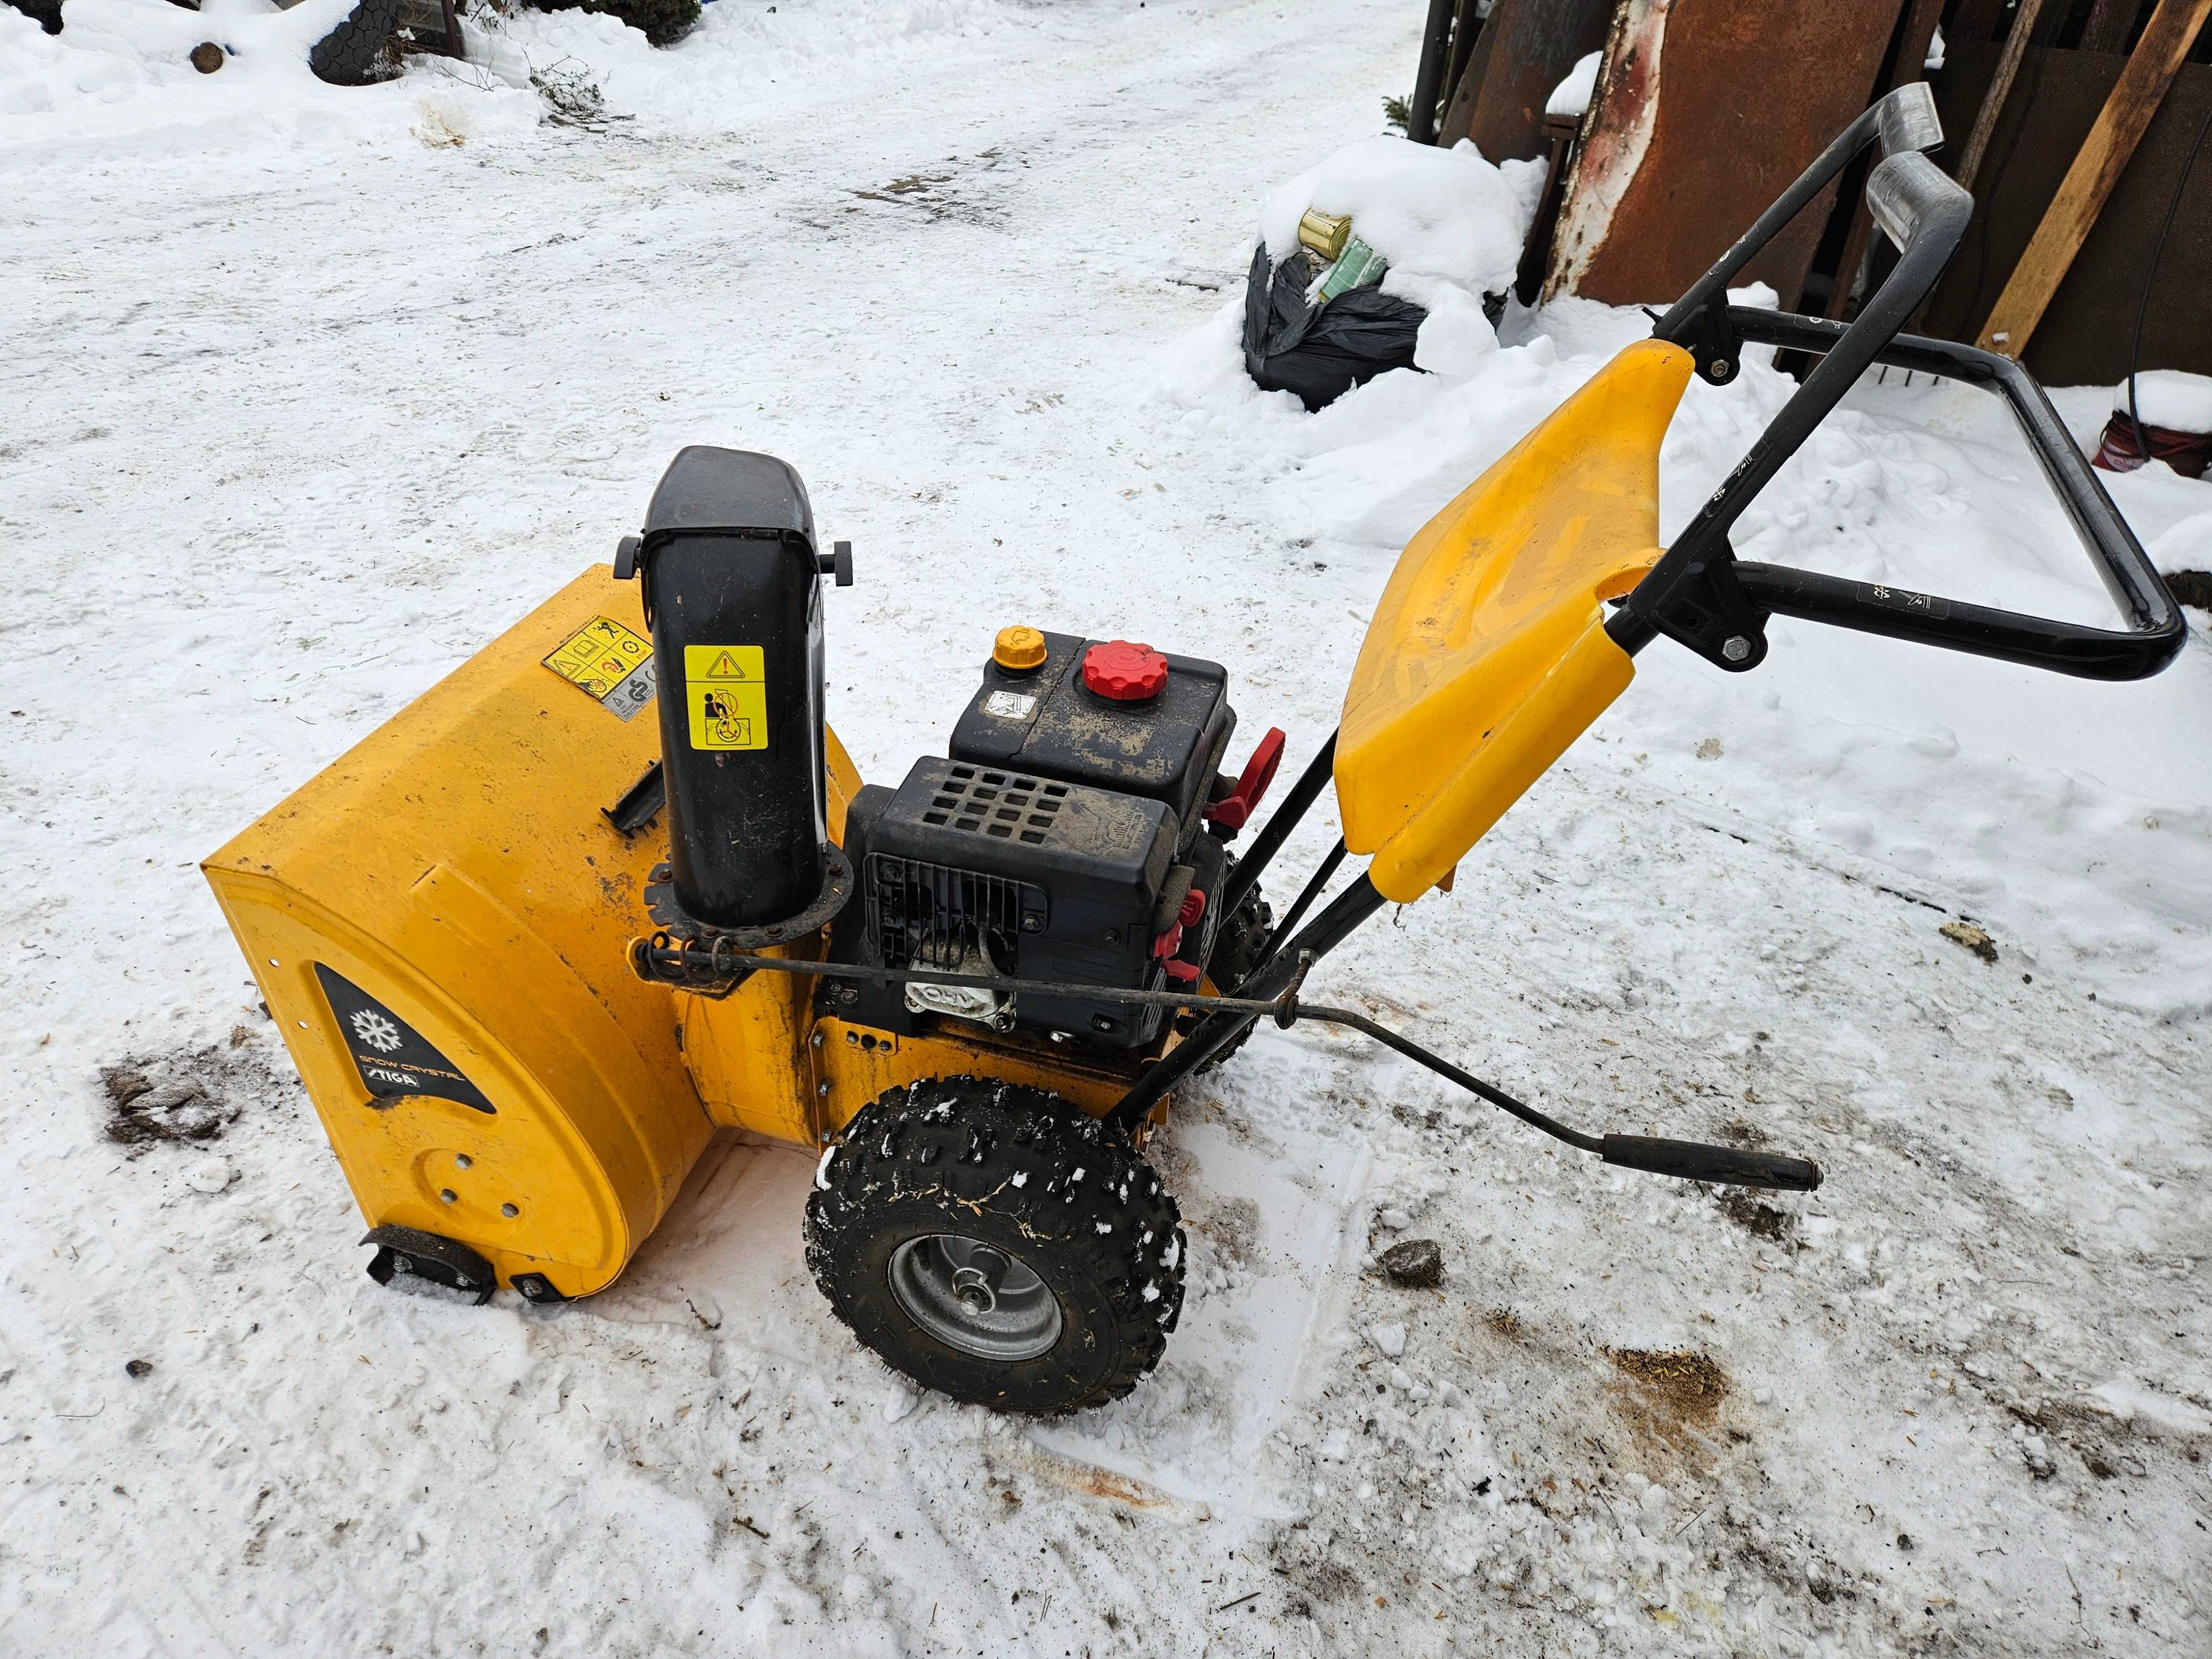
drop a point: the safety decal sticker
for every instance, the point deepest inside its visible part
(726, 688)
(611, 663)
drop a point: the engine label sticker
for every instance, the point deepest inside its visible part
(1009, 706)
(611, 663)
(393, 1058)
(726, 688)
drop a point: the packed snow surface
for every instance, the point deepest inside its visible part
(133, 57)
(2171, 398)
(311, 392)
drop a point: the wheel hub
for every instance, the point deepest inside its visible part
(976, 1283)
(975, 1297)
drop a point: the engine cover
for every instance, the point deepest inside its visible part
(968, 869)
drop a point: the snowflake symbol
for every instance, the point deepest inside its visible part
(377, 1032)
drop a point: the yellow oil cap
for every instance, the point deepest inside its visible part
(1019, 649)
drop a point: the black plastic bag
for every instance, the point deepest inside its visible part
(1321, 352)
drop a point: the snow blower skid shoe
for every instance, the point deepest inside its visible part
(521, 1010)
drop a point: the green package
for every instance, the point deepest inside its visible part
(1359, 266)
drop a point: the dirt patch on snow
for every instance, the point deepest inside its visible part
(1669, 1394)
(188, 1097)
(1759, 1220)
(1330, 1580)
(1234, 1226)
(1967, 936)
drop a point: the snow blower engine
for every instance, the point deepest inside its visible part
(614, 882)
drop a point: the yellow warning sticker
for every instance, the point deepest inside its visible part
(610, 662)
(726, 688)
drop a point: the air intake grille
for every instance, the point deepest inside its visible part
(1002, 803)
(931, 915)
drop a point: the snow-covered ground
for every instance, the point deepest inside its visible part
(309, 393)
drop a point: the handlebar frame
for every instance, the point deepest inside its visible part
(1698, 593)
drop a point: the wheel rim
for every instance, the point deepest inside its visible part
(974, 1297)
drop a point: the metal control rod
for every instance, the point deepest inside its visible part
(1686, 1160)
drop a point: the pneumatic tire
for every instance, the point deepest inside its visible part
(360, 49)
(1054, 1220)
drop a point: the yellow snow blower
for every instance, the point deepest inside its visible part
(614, 882)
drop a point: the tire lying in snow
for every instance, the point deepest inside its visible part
(360, 49)
(998, 1244)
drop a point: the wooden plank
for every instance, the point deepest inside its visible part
(2165, 44)
(1986, 121)
(2111, 22)
(1918, 33)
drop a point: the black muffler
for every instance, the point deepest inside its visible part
(733, 599)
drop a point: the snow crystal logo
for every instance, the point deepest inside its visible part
(377, 1032)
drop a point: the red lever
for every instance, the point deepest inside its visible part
(1193, 907)
(1234, 809)
(1167, 943)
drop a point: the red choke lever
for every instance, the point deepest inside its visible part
(1234, 809)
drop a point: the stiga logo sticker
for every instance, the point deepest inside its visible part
(609, 661)
(726, 690)
(393, 1057)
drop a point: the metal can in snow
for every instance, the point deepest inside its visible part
(1325, 234)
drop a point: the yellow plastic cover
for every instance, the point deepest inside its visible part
(455, 866)
(1488, 655)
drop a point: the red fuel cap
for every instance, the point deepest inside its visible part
(1124, 672)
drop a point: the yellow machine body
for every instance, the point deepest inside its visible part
(1488, 655)
(734, 1046)
(456, 867)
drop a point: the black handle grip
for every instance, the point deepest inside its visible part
(1906, 120)
(1907, 191)
(1690, 1160)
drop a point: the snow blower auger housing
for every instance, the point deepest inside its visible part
(521, 1010)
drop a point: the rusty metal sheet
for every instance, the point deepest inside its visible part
(1525, 49)
(1705, 111)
